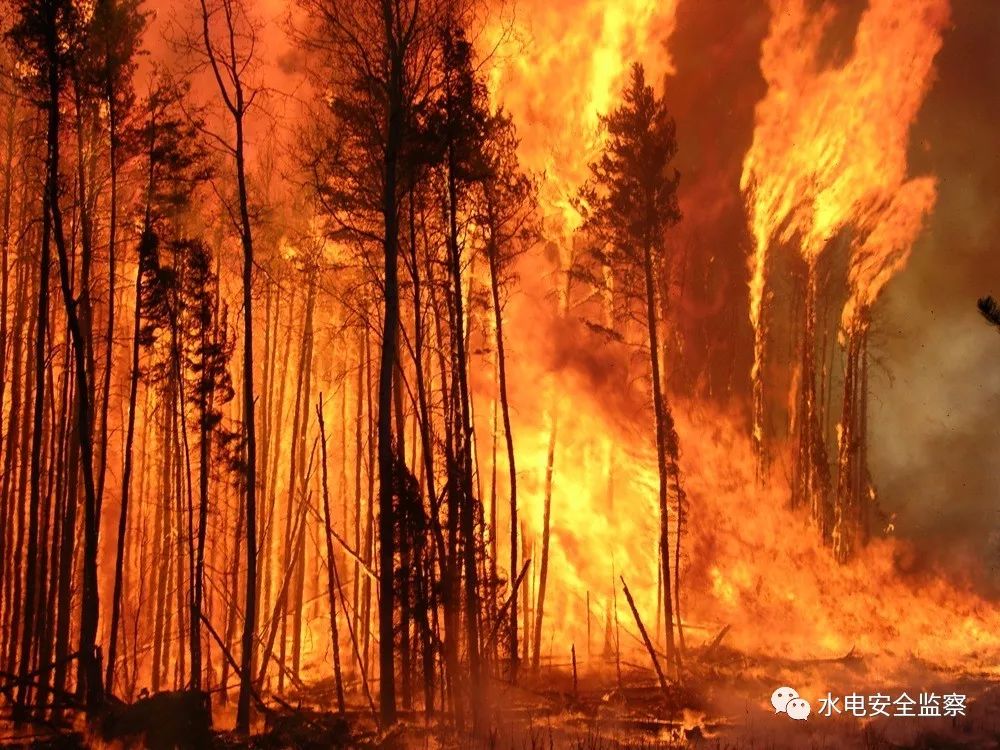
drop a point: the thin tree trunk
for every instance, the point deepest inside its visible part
(509, 439)
(661, 452)
(307, 358)
(8, 189)
(358, 463)
(133, 390)
(112, 277)
(543, 572)
(296, 456)
(390, 327)
(465, 446)
(645, 639)
(331, 565)
(246, 237)
(369, 539)
(12, 456)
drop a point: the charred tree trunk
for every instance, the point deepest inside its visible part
(395, 123)
(543, 569)
(468, 501)
(851, 510)
(664, 428)
(331, 566)
(509, 441)
(811, 477)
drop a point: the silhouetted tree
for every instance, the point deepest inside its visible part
(174, 164)
(48, 36)
(375, 60)
(460, 121)
(630, 202)
(230, 36)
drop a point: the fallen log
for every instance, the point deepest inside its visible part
(851, 657)
(645, 638)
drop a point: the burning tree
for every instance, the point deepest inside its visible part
(827, 172)
(629, 204)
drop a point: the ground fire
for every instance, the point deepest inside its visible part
(464, 373)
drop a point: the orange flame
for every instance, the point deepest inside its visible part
(829, 147)
(559, 67)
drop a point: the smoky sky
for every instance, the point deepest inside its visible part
(936, 401)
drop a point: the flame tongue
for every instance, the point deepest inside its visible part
(829, 146)
(887, 247)
(830, 143)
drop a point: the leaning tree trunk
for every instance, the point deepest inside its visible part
(307, 359)
(511, 464)
(332, 579)
(89, 684)
(543, 568)
(661, 451)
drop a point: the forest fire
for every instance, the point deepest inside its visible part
(411, 374)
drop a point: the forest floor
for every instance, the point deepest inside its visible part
(724, 705)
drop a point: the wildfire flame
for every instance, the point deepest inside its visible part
(828, 159)
(828, 154)
(559, 67)
(830, 142)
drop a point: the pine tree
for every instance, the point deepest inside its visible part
(375, 60)
(175, 163)
(630, 202)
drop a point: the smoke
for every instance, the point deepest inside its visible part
(712, 93)
(935, 406)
